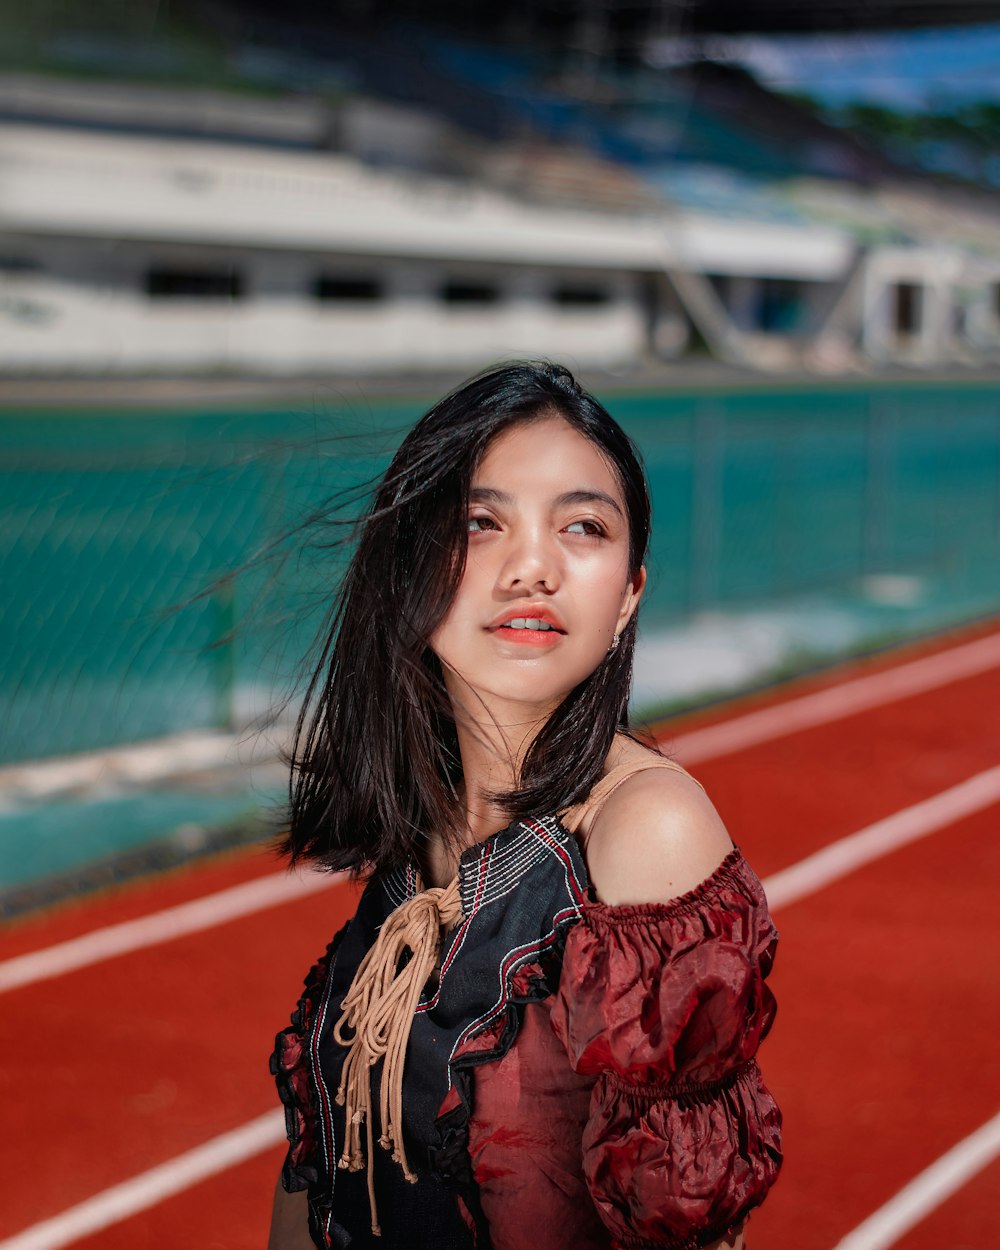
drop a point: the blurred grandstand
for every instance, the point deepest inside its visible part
(206, 191)
(274, 190)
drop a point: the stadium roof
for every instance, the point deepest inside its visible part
(633, 20)
(788, 16)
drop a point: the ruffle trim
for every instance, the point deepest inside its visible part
(291, 1072)
(685, 1092)
(725, 1146)
(531, 981)
(675, 1243)
(733, 870)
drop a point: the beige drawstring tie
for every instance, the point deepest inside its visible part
(379, 1008)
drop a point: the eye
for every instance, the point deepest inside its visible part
(481, 524)
(589, 529)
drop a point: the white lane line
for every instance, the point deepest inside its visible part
(148, 1188)
(806, 877)
(836, 702)
(785, 886)
(163, 926)
(142, 763)
(846, 854)
(700, 744)
(138, 763)
(926, 1191)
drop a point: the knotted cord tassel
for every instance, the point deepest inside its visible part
(378, 1009)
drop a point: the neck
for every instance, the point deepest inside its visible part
(493, 744)
(492, 752)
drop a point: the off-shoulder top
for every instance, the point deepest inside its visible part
(576, 1076)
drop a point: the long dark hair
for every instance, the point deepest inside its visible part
(375, 767)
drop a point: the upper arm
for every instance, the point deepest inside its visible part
(656, 837)
(652, 1000)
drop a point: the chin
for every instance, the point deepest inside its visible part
(535, 682)
(521, 690)
(531, 696)
(529, 691)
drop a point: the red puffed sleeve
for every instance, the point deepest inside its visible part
(666, 1005)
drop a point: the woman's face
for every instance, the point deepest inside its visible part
(546, 584)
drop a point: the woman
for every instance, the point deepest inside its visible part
(539, 1028)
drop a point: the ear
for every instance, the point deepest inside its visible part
(633, 593)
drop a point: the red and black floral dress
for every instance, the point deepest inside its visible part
(577, 1077)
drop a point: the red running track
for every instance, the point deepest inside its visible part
(883, 1055)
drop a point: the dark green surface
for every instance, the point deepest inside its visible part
(111, 522)
(62, 837)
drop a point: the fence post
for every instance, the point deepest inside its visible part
(997, 499)
(224, 601)
(707, 504)
(875, 553)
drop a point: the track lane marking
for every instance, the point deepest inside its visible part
(786, 886)
(698, 745)
(113, 769)
(163, 926)
(138, 1193)
(883, 1228)
(160, 758)
(928, 1189)
(857, 849)
(835, 702)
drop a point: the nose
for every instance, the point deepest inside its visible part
(531, 563)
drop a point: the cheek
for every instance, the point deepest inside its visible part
(466, 596)
(474, 595)
(455, 625)
(604, 589)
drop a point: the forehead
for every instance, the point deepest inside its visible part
(546, 454)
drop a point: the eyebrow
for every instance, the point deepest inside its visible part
(488, 494)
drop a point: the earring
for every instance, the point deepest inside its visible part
(614, 644)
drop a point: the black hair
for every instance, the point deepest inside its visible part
(374, 762)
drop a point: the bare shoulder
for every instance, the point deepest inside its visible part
(656, 837)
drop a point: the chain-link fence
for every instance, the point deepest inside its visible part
(112, 524)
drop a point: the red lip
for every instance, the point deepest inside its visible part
(535, 611)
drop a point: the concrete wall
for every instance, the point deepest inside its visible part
(936, 274)
(80, 185)
(86, 309)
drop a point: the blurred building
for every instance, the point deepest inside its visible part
(501, 212)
